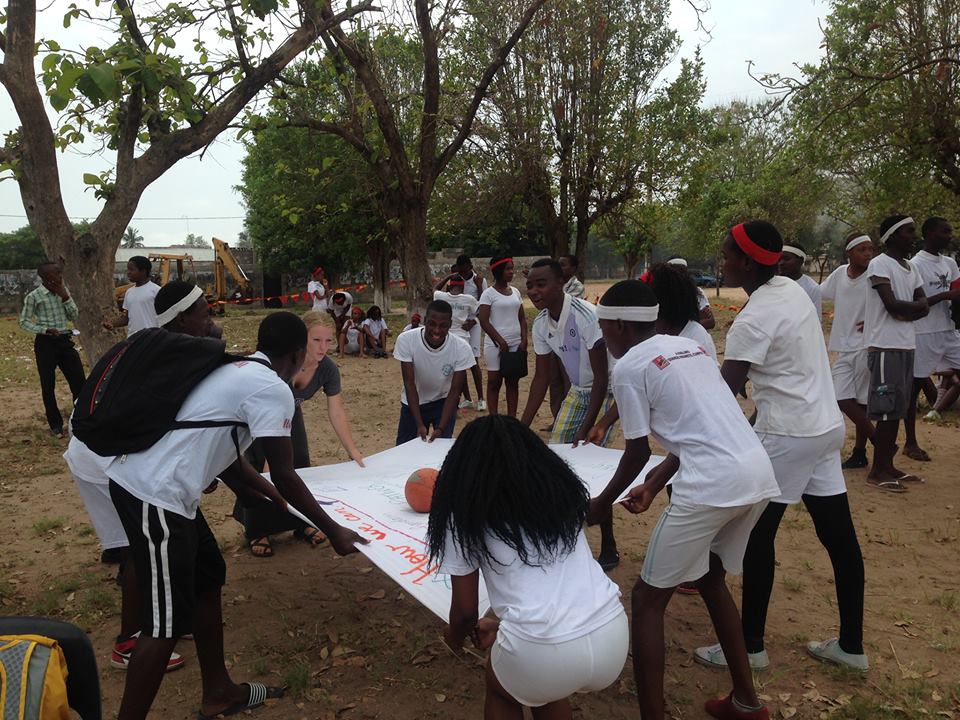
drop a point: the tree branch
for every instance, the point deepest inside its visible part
(431, 100)
(480, 92)
(238, 41)
(130, 20)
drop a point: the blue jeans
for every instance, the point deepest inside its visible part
(430, 413)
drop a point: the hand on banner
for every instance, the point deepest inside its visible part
(598, 512)
(485, 633)
(595, 436)
(359, 460)
(422, 431)
(344, 541)
(437, 433)
(639, 499)
(583, 436)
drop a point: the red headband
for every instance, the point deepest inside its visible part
(456, 282)
(647, 277)
(500, 262)
(751, 249)
(317, 270)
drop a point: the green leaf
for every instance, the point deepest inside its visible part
(50, 62)
(103, 77)
(60, 98)
(91, 179)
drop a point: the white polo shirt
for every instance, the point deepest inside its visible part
(173, 473)
(849, 308)
(669, 387)
(778, 332)
(571, 337)
(433, 368)
(936, 273)
(138, 302)
(880, 328)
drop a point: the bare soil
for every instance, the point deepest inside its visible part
(351, 645)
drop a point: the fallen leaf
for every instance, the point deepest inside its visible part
(378, 595)
(440, 697)
(788, 712)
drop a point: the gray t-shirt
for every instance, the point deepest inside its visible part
(327, 376)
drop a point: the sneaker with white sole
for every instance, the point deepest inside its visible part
(123, 650)
(482, 405)
(465, 405)
(830, 651)
(932, 416)
(712, 656)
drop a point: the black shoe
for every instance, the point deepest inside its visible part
(857, 460)
(113, 556)
(608, 559)
(57, 432)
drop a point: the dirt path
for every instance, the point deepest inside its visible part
(350, 644)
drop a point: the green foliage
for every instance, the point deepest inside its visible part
(132, 238)
(21, 249)
(195, 241)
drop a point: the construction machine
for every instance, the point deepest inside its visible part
(224, 263)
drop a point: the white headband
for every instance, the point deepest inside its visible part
(859, 240)
(894, 228)
(677, 261)
(633, 313)
(171, 312)
(796, 251)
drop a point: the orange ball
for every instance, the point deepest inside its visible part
(419, 489)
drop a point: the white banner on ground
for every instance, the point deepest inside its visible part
(371, 501)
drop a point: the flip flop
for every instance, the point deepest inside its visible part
(894, 486)
(259, 694)
(264, 543)
(906, 477)
(917, 454)
(309, 536)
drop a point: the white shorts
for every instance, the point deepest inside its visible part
(681, 543)
(936, 351)
(475, 340)
(103, 515)
(491, 354)
(851, 376)
(806, 465)
(539, 673)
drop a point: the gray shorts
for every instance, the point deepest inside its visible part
(891, 383)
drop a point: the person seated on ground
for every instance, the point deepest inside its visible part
(414, 323)
(138, 308)
(505, 504)
(339, 307)
(670, 388)
(433, 364)
(348, 337)
(374, 333)
(157, 494)
(263, 519)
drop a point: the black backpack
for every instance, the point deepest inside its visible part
(133, 394)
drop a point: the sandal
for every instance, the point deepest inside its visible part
(310, 535)
(890, 485)
(916, 453)
(906, 477)
(261, 547)
(259, 694)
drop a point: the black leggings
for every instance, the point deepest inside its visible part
(831, 518)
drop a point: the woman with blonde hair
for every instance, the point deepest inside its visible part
(319, 371)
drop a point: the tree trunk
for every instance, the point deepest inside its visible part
(630, 261)
(379, 253)
(413, 259)
(583, 239)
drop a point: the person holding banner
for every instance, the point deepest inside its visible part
(670, 387)
(504, 503)
(502, 318)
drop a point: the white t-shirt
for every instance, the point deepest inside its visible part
(375, 326)
(936, 272)
(352, 331)
(669, 387)
(319, 303)
(702, 301)
(849, 307)
(571, 337)
(173, 473)
(470, 286)
(779, 334)
(812, 289)
(504, 313)
(698, 333)
(85, 464)
(408, 326)
(555, 600)
(433, 369)
(464, 308)
(341, 310)
(880, 328)
(138, 302)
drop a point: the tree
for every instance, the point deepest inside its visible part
(407, 119)
(584, 116)
(131, 238)
(881, 110)
(195, 241)
(21, 249)
(148, 105)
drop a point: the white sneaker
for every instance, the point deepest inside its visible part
(933, 416)
(465, 405)
(482, 405)
(831, 652)
(712, 656)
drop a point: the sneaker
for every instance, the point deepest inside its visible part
(831, 652)
(933, 416)
(123, 649)
(465, 405)
(857, 460)
(712, 656)
(727, 709)
(482, 405)
(608, 559)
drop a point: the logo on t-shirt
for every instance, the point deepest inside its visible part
(661, 362)
(287, 424)
(942, 282)
(447, 369)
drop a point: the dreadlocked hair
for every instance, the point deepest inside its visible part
(676, 294)
(499, 479)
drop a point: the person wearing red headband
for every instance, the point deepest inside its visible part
(317, 289)
(777, 343)
(502, 318)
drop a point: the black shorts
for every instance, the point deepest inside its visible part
(176, 559)
(891, 382)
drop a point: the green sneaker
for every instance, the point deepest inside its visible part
(712, 656)
(831, 652)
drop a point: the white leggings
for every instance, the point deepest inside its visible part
(538, 673)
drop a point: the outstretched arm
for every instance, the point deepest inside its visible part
(464, 609)
(538, 388)
(598, 391)
(635, 457)
(341, 426)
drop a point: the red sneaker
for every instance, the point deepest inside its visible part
(724, 709)
(123, 649)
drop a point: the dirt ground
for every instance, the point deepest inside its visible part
(351, 645)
